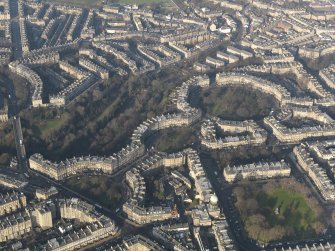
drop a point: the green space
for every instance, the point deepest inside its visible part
(100, 121)
(293, 209)
(319, 63)
(155, 191)
(172, 140)
(104, 190)
(21, 90)
(79, 3)
(157, 188)
(47, 122)
(161, 6)
(279, 210)
(48, 126)
(234, 103)
(138, 2)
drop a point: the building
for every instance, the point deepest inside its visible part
(255, 135)
(44, 194)
(174, 236)
(240, 53)
(315, 172)
(203, 187)
(237, 79)
(42, 217)
(144, 215)
(294, 135)
(230, 58)
(217, 63)
(75, 166)
(94, 226)
(261, 170)
(93, 67)
(328, 76)
(201, 217)
(11, 202)
(223, 235)
(93, 232)
(14, 226)
(137, 243)
(11, 182)
(33, 78)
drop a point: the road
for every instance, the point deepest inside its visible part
(13, 114)
(127, 227)
(20, 148)
(15, 29)
(224, 191)
(13, 110)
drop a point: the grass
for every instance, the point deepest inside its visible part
(293, 209)
(173, 140)
(163, 6)
(104, 190)
(54, 124)
(79, 3)
(108, 110)
(234, 103)
(138, 2)
(299, 215)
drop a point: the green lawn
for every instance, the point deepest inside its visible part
(79, 3)
(104, 190)
(163, 6)
(279, 210)
(141, 1)
(293, 210)
(173, 140)
(53, 124)
(108, 110)
(234, 103)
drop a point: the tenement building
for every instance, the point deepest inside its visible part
(294, 135)
(259, 170)
(315, 172)
(11, 202)
(223, 235)
(14, 226)
(94, 226)
(10, 182)
(328, 76)
(46, 193)
(77, 165)
(134, 207)
(254, 134)
(144, 215)
(244, 80)
(32, 77)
